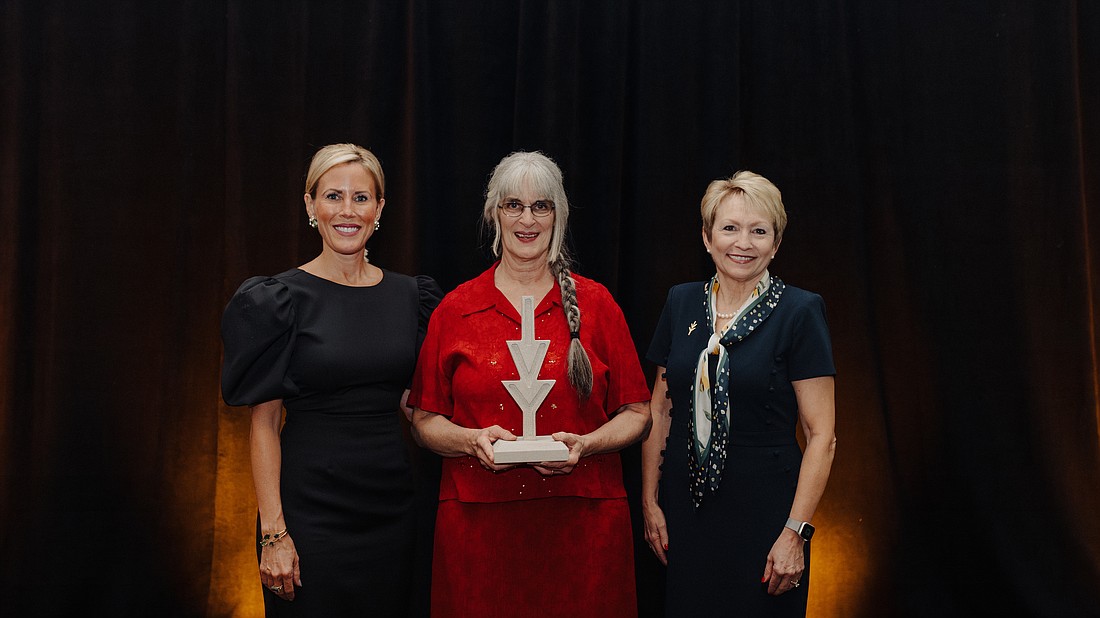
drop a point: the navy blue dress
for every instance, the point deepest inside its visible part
(340, 358)
(717, 553)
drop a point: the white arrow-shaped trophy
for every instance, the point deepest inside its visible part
(529, 392)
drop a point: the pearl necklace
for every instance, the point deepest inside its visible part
(724, 316)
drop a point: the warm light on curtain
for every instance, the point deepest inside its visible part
(840, 564)
(235, 585)
(848, 521)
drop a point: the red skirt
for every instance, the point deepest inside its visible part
(563, 556)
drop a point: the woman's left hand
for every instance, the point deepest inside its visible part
(576, 446)
(786, 562)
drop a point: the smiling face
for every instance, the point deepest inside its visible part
(522, 177)
(346, 207)
(525, 237)
(741, 241)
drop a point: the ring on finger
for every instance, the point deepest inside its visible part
(275, 589)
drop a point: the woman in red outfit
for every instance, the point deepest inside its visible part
(549, 538)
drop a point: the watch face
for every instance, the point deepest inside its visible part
(806, 532)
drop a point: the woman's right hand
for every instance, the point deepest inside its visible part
(279, 568)
(483, 446)
(656, 533)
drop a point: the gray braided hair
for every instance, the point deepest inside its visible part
(580, 368)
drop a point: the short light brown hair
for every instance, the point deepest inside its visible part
(758, 191)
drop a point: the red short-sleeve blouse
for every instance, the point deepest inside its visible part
(464, 359)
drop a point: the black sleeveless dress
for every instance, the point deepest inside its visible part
(340, 358)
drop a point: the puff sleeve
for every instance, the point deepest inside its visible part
(259, 327)
(430, 295)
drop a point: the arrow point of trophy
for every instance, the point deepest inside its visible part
(529, 392)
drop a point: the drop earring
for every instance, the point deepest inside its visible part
(313, 222)
(377, 223)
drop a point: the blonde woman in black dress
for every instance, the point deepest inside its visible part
(334, 342)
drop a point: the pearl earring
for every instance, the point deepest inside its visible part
(313, 222)
(377, 224)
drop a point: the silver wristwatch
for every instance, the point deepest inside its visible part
(804, 529)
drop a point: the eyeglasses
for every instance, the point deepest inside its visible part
(515, 208)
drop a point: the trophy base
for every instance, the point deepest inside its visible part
(529, 450)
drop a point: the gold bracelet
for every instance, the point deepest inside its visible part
(269, 539)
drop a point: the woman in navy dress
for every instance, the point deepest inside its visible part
(334, 342)
(743, 359)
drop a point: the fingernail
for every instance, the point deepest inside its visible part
(763, 579)
(666, 546)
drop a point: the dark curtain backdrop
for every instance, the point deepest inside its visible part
(940, 162)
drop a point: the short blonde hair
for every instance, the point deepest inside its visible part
(758, 191)
(337, 154)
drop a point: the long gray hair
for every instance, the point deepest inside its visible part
(539, 173)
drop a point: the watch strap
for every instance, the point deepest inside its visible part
(797, 526)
